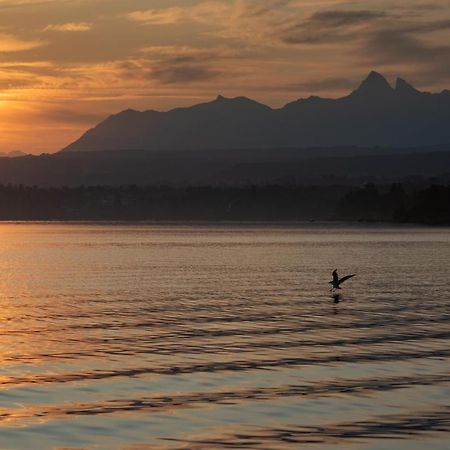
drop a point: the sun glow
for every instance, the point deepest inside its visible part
(68, 65)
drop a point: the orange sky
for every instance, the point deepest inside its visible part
(67, 64)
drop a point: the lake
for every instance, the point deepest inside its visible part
(146, 336)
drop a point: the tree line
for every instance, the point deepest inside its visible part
(394, 203)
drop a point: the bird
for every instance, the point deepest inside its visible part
(336, 282)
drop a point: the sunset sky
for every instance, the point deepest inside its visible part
(67, 64)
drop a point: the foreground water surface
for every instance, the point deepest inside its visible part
(195, 337)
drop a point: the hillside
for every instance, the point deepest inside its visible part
(375, 114)
(315, 166)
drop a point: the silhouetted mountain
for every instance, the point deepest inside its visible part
(375, 114)
(12, 154)
(241, 167)
(404, 88)
(373, 87)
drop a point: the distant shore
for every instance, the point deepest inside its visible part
(368, 204)
(231, 223)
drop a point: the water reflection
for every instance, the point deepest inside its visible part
(204, 337)
(336, 298)
(380, 428)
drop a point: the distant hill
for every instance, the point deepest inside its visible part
(12, 154)
(375, 114)
(241, 167)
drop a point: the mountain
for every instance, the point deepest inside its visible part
(375, 114)
(12, 154)
(229, 167)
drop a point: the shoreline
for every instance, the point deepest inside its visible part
(243, 223)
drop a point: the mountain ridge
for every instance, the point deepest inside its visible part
(374, 114)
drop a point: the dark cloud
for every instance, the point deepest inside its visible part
(390, 46)
(386, 39)
(418, 9)
(172, 70)
(329, 26)
(337, 19)
(252, 10)
(393, 47)
(421, 26)
(184, 73)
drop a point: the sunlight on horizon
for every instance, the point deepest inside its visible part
(65, 66)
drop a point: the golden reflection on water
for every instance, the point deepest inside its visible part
(143, 336)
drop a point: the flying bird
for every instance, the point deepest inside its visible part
(336, 282)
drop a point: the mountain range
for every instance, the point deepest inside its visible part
(375, 114)
(12, 154)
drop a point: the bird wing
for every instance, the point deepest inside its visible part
(347, 277)
(335, 276)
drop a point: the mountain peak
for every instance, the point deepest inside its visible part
(376, 79)
(403, 86)
(240, 101)
(375, 83)
(126, 112)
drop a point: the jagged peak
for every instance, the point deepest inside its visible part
(376, 77)
(374, 83)
(223, 103)
(241, 99)
(403, 86)
(313, 98)
(126, 112)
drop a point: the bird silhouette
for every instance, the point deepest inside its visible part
(336, 281)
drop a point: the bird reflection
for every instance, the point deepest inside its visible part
(336, 298)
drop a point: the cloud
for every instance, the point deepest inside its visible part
(182, 64)
(162, 54)
(421, 27)
(172, 66)
(204, 12)
(396, 46)
(158, 16)
(183, 51)
(341, 18)
(184, 73)
(70, 26)
(22, 75)
(24, 64)
(10, 44)
(330, 26)
(14, 82)
(392, 45)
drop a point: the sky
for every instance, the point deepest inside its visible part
(65, 65)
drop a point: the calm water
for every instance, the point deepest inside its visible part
(197, 337)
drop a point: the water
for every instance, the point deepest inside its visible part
(197, 337)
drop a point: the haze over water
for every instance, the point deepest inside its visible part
(145, 336)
